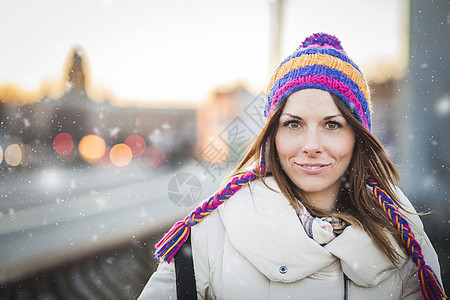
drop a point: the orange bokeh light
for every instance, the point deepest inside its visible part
(63, 144)
(136, 144)
(92, 148)
(120, 155)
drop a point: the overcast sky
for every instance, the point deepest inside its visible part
(175, 50)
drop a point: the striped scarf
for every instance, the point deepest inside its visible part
(322, 230)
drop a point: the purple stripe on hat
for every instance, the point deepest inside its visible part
(324, 83)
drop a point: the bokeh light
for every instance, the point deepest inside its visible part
(27, 155)
(121, 155)
(63, 143)
(155, 156)
(92, 148)
(13, 155)
(1, 154)
(136, 143)
(51, 179)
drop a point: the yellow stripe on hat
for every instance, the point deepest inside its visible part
(322, 60)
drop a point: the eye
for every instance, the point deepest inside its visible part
(292, 124)
(333, 125)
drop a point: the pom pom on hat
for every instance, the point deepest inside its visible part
(321, 39)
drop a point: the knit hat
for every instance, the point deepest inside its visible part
(319, 63)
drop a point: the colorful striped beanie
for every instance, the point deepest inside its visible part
(319, 63)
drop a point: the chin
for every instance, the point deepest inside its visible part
(311, 187)
(314, 186)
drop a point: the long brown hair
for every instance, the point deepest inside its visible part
(355, 202)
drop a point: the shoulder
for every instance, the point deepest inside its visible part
(403, 199)
(256, 192)
(209, 237)
(405, 207)
(240, 200)
(257, 199)
(418, 230)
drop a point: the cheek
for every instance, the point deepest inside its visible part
(284, 146)
(346, 148)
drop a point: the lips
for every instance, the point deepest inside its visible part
(313, 169)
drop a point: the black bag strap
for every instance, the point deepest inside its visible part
(185, 275)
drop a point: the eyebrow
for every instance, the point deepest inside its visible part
(299, 118)
(291, 115)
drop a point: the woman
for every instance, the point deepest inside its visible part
(319, 215)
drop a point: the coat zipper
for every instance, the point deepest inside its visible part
(345, 287)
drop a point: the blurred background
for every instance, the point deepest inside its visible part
(117, 117)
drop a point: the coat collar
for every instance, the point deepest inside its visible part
(263, 226)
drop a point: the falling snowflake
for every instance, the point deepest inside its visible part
(101, 203)
(443, 106)
(96, 130)
(143, 213)
(73, 184)
(114, 131)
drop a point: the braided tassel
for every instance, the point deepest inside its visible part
(429, 284)
(169, 245)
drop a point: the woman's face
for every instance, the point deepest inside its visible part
(315, 143)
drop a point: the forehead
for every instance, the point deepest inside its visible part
(311, 101)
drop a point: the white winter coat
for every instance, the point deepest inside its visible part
(254, 247)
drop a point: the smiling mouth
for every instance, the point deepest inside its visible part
(313, 166)
(313, 169)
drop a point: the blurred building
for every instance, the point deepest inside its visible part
(169, 133)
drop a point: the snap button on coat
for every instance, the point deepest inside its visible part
(283, 269)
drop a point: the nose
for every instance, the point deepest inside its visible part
(312, 145)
